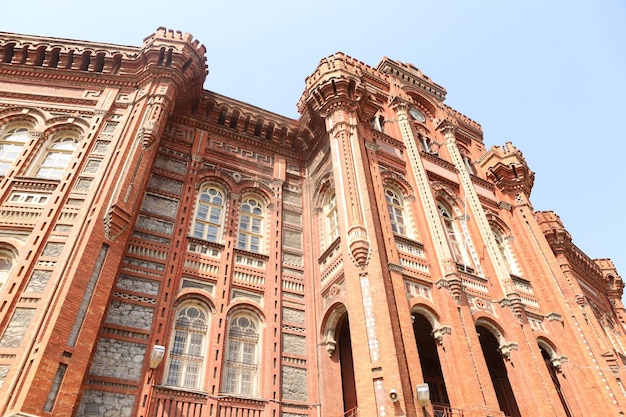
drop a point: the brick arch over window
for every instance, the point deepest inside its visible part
(423, 104)
(30, 115)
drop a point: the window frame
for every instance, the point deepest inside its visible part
(505, 251)
(251, 225)
(14, 146)
(454, 234)
(52, 155)
(242, 357)
(208, 221)
(187, 349)
(396, 211)
(330, 217)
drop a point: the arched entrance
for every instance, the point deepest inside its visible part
(348, 385)
(497, 371)
(429, 360)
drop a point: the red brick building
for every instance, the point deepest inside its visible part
(168, 251)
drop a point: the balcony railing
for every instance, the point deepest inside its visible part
(445, 411)
(172, 402)
(354, 412)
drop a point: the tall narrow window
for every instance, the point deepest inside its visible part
(240, 376)
(57, 157)
(395, 206)
(454, 235)
(250, 226)
(505, 251)
(11, 145)
(331, 219)
(187, 347)
(209, 218)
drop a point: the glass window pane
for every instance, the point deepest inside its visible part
(180, 339)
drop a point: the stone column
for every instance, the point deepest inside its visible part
(477, 211)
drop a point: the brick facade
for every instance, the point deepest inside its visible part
(325, 266)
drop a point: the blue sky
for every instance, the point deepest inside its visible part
(549, 76)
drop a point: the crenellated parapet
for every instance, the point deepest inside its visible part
(597, 273)
(613, 283)
(553, 229)
(410, 75)
(170, 53)
(179, 56)
(339, 81)
(507, 169)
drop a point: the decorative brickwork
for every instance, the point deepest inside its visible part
(386, 251)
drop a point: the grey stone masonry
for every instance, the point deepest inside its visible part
(162, 206)
(155, 225)
(130, 315)
(38, 281)
(118, 359)
(170, 165)
(292, 315)
(164, 184)
(145, 286)
(294, 383)
(53, 250)
(293, 344)
(14, 333)
(109, 404)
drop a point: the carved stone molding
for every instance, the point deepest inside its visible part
(439, 332)
(393, 267)
(554, 317)
(115, 222)
(359, 245)
(453, 284)
(371, 146)
(558, 362)
(506, 348)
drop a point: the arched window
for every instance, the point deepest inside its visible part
(395, 206)
(242, 356)
(6, 264)
(11, 144)
(331, 219)
(250, 225)
(57, 157)
(505, 251)
(186, 356)
(454, 234)
(210, 214)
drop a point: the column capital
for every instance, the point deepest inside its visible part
(448, 127)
